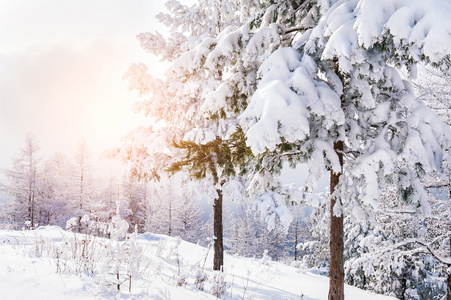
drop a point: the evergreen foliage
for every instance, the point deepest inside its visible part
(220, 155)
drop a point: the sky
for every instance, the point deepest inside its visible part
(61, 68)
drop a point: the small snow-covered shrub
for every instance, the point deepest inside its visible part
(200, 278)
(28, 224)
(112, 261)
(161, 247)
(123, 257)
(181, 279)
(265, 259)
(72, 223)
(218, 285)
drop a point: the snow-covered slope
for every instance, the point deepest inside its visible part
(33, 266)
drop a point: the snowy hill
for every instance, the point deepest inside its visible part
(50, 263)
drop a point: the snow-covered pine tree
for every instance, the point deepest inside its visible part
(82, 188)
(270, 243)
(54, 190)
(24, 178)
(376, 254)
(161, 204)
(248, 236)
(349, 100)
(190, 213)
(425, 271)
(239, 234)
(298, 233)
(334, 100)
(317, 249)
(208, 83)
(6, 218)
(190, 220)
(434, 88)
(417, 267)
(108, 195)
(403, 255)
(134, 199)
(212, 161)
(171, 207)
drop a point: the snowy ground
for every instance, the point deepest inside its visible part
(30, 269)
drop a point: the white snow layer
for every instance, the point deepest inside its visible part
(279, 107)
(27, 276)
(416, 28)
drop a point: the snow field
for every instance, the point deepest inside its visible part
(28, 270)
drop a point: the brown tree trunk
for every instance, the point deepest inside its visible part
(336, 273)
(448, 293)
(218, 259)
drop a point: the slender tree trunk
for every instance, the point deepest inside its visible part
(81, 191)
(448, 295)
(296, 241)
(336, 273)
(30, 210)
(118, 285)
(170, 216)
(30, 191)
(218, 259)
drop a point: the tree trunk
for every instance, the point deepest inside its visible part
(170, 216)
(448, 295)
(218, 259)
(336, 273)
(31, 210)
(296, 241)
(31, 187)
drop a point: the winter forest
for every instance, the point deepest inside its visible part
(351, 98)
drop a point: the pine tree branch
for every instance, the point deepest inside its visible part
(199, 159)
(441, 259)
(296, 29)
(304, 5)
(437, 185)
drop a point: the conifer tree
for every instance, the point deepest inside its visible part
(24, 177)
(55, 191)
(134, 197)
(312, 82)
(82, 182)
(335, 101)
(215, 48)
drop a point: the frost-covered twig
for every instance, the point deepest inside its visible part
(304, 5)
(441, 259)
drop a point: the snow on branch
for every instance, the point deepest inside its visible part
(428, 246)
